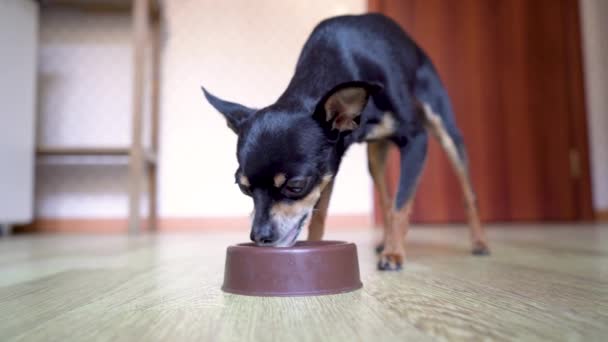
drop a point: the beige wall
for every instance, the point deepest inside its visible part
(594, 15)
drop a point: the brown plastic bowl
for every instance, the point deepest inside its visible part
(306, 269)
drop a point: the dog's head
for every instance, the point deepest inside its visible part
(287, 154)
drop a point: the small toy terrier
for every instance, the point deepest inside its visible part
(358, 79)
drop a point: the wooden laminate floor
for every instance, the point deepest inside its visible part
(541, 283)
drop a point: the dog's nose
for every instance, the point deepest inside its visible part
(264, 237)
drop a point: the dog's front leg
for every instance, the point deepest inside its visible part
(393, 254)
(317, 222)
(413, 156)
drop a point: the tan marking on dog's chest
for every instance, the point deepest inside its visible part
(384, 129)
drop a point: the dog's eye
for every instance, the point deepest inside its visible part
(244, 189)
(295, 186)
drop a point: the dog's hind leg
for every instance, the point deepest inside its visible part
(317, 222)
(413, 155)
(377, 152)
(453, 145)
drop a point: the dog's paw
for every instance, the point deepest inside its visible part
(379, 248)
(480, 249)
(391, 262)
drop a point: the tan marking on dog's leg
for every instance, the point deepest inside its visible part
(317, 222)
(376, 157)
(279, 180)
(436, 127)
(478, 234)
(393, 255)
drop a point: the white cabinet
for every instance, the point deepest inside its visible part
(18, 53)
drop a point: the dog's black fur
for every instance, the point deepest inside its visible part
(288, 150)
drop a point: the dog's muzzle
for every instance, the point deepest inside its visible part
(280, 231)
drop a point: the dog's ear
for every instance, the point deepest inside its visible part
(234, 113)
(340, 108)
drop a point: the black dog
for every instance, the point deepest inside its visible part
(290, 151)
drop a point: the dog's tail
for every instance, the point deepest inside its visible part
(430, 92)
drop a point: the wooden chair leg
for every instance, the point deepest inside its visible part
(135, 178)
(155, 46)
(152, 198)
(136, 161)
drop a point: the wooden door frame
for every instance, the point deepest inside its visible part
(579, 139)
